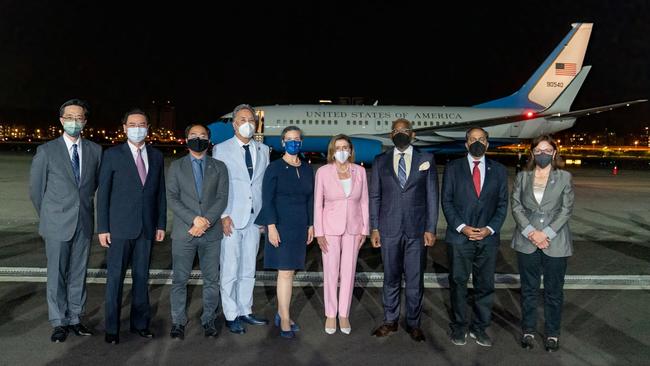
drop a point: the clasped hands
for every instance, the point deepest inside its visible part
(475, 233)
(199, 226)
(540, 239)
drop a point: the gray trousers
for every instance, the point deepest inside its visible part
(66, 278)
(183, 254)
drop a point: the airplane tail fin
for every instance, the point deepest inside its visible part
(554, 75)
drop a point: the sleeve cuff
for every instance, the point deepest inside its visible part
(491, 230)
(460, 227)
(529, 229)
(549, 232)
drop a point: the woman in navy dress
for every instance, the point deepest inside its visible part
(287, 213)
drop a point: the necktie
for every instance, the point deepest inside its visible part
(139, 163)
(75, 163)
(476, 176)
(198, 175)
(249, 161)
(401, 170)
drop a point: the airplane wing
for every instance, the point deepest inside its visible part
(526, 116)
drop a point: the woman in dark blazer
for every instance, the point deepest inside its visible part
(287, 212)
(542, 203)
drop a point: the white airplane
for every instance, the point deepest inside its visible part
(542, 105)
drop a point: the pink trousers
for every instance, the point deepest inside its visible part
(339, 264)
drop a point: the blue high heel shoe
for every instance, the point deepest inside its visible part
(294, 327)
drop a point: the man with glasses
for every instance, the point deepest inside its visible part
(197, 191)
(246, 160)
(403, 217)
(474, 202)
(62, 184)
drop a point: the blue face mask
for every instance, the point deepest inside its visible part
(292, 147)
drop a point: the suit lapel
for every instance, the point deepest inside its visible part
(487, 181)
(209, 175)
(128, 155)
(85, 158)
(256, 150)
(188, 171)
(415, 164)
(65, 156)
(466, 171)
(550, 185)
(390, 156)
(240, 158)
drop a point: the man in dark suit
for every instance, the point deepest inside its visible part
(403, 217)
(131, 212)
(62, 184)
(475, 204)
(197, 188)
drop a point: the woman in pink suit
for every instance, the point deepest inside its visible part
(340, 226)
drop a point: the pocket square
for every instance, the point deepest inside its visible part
(424, 166)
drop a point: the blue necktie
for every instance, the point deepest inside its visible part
(401, 170)
(198, 176)
(249, 161)
(75, 163)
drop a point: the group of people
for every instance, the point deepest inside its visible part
(222, 204)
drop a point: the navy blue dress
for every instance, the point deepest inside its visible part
(287, 202)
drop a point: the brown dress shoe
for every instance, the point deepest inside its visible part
(385, 329)
(416, 334)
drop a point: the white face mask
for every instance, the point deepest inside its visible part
(136, 134)
(246, 130)
(342, 156)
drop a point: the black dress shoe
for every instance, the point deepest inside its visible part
(528, 341)
(235, 326)
(385, 329)
(552, 344)
(210, 330)
(144, 333)
(416, 334)
(80, 330)
(253, 320)
(59, 334)
(458, 336)
(178, 331)
(112, 338)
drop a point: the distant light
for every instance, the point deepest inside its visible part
(529, 114)
(577, 162)
(325, 101)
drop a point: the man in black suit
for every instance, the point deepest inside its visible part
(131, 212)
(403, 217)
(475, 203)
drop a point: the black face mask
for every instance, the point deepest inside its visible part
(543, 160)
(198, 145)
(477, 149)
(401, 140)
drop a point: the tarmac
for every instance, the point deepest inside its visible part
(606, 319)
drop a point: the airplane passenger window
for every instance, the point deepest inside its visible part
(304, 122)
(329, 121)
(366, 123)
(336, 122)
(354, 123)
(348, 123)
(378, 123)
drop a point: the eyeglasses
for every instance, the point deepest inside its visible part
(544, 151)
(73, 118)
(402, 130)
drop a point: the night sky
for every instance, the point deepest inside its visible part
(206, 59)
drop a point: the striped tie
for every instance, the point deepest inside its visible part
(75, 163)
(401, 171)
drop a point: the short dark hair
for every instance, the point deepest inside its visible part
(76, 102)
(288, 129)
(469, 130)
(401, 120)
(556, 163)
(132, 112)
(189, 127)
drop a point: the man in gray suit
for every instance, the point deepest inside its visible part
(62, 184)
(197, 192)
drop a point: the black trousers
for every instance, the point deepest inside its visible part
(531, 268)
(479, 259)
(403, 256)
(137, 252)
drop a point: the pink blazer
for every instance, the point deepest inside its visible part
(334, 213)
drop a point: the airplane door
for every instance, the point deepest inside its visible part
(515, 128)
(378, 126)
